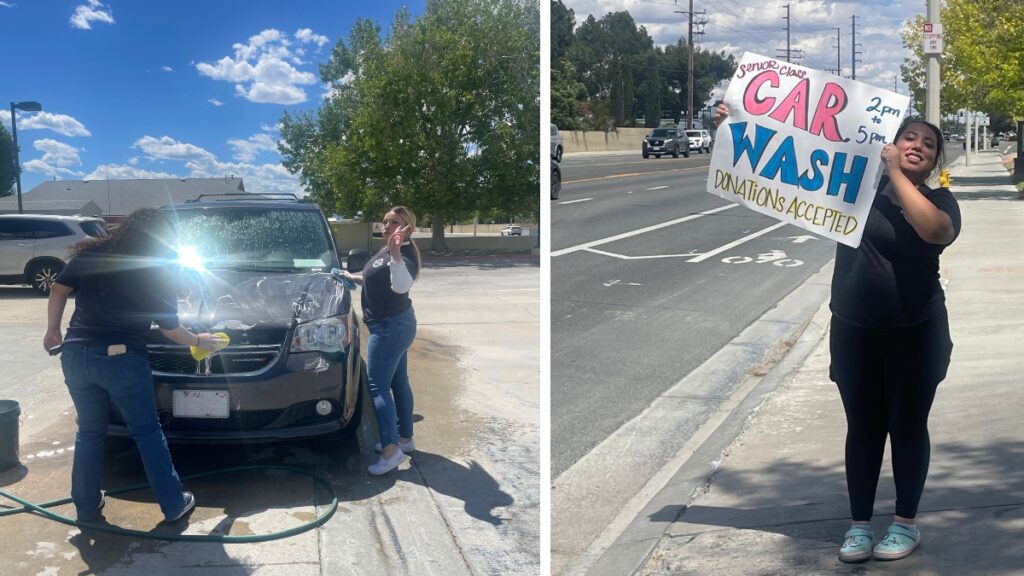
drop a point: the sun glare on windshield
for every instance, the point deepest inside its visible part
(188, 257)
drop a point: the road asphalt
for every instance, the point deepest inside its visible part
(776, 502)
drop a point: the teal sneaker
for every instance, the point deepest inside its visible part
(857, 544)
(898, 543)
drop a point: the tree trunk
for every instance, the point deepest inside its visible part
(437, 243)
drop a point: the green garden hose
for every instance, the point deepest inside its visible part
(321, 518)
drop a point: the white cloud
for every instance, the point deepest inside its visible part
(261, 70)
(307, 36)
(199, 163)
(215, 102)
(59, 123)
(40, 167)
(167, 148)
(57, 153)
(94, 11)
(167, 69)
(121, 172)
(246, 150)
(7, 4)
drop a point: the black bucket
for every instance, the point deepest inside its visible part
(9, 413)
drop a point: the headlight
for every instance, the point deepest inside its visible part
(326, 335)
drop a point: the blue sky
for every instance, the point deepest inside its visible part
(184, 89)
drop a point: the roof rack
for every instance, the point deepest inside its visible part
(266, 196)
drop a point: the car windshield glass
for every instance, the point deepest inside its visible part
(661, 132)
(256, 238)
(693, 133)
(94, 228)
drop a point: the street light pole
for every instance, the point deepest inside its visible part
(27, 107)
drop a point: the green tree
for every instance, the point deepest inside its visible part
(563, 20)
(443, 116)
(566, 92)
(8, 163)
(982, 59)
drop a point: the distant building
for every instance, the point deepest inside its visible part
(115, 199)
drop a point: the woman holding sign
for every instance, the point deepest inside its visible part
(889, 339)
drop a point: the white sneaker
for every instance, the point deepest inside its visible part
(190, 503)
(407, 447)
(385, 465)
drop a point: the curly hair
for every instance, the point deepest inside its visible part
(145, 232)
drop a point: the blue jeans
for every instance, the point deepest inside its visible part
(95, 380)
(388, 371)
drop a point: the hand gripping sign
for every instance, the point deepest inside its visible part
(803, 146)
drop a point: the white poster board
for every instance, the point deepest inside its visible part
(803, 146)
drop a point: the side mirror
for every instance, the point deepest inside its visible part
(357, 259)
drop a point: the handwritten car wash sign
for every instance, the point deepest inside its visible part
(803, 146)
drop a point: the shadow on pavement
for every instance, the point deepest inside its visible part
(971, 513)
(471, 484)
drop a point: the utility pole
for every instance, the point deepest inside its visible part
(689, 66)
(853, 49)
(932, 79)
(788, 49)
(839, 65)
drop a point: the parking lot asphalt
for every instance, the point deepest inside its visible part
(467, 503)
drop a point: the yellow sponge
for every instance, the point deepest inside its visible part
(220, 341)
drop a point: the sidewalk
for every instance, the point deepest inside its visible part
(777, 505)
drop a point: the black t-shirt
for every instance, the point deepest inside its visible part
(892, 279)
(378, 299)
(118, 298)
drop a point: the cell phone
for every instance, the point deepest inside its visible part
(55, 350)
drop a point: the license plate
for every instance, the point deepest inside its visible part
(200, 403)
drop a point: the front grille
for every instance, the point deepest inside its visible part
(231, 360)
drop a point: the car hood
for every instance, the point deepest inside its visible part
(240, 301)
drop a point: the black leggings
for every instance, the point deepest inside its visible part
(887, 379)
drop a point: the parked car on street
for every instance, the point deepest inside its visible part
(35, 247)
(511, 231)
(259, 271)
(556, 179)
(699, 140)
(665, 140)
(556, 143)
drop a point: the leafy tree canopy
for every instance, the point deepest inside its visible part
(442, 115)
(8, 163)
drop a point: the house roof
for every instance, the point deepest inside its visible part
(117, 197)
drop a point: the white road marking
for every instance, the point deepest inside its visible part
(737, 242)
(693, 257)
(658, 188)
(592, 243)
(801, 239)
(614, 282)
(575, 201)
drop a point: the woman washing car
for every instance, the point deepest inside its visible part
(123, 286)
(388, 313)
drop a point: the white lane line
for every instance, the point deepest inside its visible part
(736, 243)
(651, 257)
(575, 201)
(592, 243)
(658, 188)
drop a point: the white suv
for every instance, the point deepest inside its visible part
(556, 144)
(700, 140)
(35, 247)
